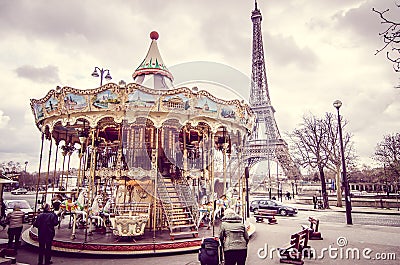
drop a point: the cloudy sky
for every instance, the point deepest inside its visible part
(316, 51)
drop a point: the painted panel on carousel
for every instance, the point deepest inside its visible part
(74, 102)
(139, 99)
(228, 112)
(51, 105)
(206, 105)
(103, 99)
(178, 101)
(244, 116)
(38, 111)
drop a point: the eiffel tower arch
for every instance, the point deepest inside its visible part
(265, 143)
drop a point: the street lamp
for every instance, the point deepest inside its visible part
(337, 104)
(102, 71)
(23, 183)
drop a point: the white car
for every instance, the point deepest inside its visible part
(19, 191)
(22, 204)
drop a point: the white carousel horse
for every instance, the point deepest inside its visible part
(74, 209)
(96, 210)
(220, 206)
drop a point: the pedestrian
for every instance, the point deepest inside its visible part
(15, 221)
(234, 238)
(3, 222)
(45, 223)
(315, 200)
(3, 210)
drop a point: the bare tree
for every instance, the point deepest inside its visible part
(332, 149)
(10, 167)
(391, 38)
(388, 152)
(309, 141)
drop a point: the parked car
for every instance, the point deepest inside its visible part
(22, 204)
(19, 191)
(272, 205)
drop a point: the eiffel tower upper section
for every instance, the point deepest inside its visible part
(260, 101)
(265, 142)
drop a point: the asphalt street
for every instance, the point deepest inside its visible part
(375, 232)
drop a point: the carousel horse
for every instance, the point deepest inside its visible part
(73, 208)
(205, 211)
(220, 206)
(107, 210)
(96, 211)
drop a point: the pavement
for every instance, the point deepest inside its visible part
(333, 208)
(342, 243)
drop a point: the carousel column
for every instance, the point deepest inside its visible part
(203, 169)
(82, 140)
(155, 170)
(185, 153)
(70, 151)
(55, 163)
(48, 167)
(64, 153)
(212, 181)
(40, 167)
(224, 146)
(91, 180)
(240, 179)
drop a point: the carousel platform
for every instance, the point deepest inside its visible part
(108, 244)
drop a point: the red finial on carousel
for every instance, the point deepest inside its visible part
(154, 35)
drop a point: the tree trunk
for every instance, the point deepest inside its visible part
(323, 188)
(338, 187)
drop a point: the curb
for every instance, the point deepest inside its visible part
(353, 211)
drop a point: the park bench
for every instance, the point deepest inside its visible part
(262, 214)
(314, 226)
(297, 247)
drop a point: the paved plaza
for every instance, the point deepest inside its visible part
(360, 243)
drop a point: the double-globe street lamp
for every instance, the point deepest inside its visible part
(337, 104)
(102, 71)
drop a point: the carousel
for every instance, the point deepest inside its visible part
(147, 169)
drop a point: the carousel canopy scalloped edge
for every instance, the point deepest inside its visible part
(67, 105)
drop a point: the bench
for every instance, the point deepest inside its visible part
(262, 214)
(314, 226)
(297, 248)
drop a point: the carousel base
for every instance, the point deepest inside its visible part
(99, 243)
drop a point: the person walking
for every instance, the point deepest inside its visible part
(15, 221)
(315, 200)
(3, 210)
(45, 223)
(3, 214)
(234, 238)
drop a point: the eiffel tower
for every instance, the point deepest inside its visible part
(265, 143)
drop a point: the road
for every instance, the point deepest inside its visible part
(364, 232)
(335, 217)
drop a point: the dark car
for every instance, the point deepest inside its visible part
(272, 205)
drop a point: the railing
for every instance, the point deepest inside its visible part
(132, 209)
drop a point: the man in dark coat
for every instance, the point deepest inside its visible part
(45, 223)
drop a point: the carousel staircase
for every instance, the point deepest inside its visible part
(177, 209)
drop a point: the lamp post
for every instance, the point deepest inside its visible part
(26, 163)
(102, 71)
(337, 104)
